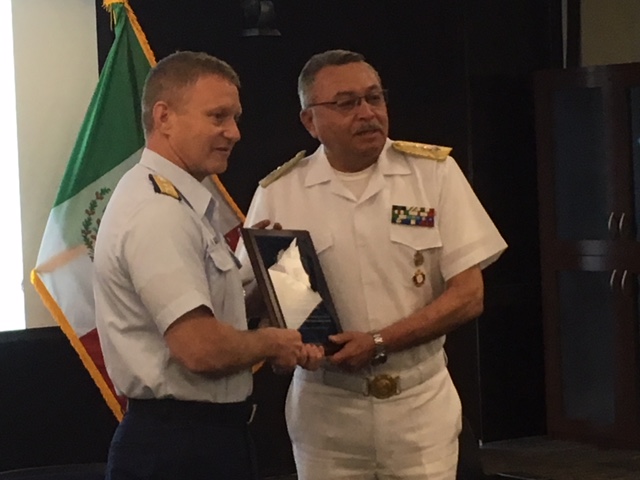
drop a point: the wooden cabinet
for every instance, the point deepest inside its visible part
(588, 133)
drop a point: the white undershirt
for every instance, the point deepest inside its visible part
(356, 182)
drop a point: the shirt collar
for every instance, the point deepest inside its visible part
(191, 190)
(390, 162)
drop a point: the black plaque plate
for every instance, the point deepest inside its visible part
(292, 283)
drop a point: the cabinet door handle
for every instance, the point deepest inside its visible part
(612, 217)
(621, 223)
(612, 279)
(623, 281)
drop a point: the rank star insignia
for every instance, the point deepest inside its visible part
(419, 277)
(415, 216)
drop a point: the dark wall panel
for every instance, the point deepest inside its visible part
(51, 411)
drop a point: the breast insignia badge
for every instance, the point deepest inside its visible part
(418, 258)
(164, 186)
(432, 152)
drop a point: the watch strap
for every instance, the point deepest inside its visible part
(380, 355)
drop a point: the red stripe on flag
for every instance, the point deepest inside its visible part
(91, 343)
(233, 236)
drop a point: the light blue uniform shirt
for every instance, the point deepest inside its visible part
(157, 258)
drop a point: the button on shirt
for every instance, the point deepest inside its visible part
(157, 258)
(368, 260)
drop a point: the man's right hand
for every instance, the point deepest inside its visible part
(285, 346)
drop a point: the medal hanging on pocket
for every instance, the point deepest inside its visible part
(419, 276)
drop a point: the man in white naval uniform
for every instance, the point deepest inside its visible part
(402, 240)
(169, 299)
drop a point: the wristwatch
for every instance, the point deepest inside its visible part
(381, 352)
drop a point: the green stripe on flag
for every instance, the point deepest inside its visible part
(112, 128)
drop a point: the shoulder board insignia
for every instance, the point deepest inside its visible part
(164, 186)
(433, 152)
(282, 169)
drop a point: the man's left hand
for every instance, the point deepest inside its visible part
(262, 224)
(358, 349)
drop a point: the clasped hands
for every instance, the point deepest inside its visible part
(358, 349)
(294, 353)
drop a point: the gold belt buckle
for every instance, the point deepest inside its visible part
(383, 386)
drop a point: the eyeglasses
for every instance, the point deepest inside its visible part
(348, 103)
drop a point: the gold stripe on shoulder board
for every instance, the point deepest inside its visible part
(433, 152)
(282, 169)
(164, 186)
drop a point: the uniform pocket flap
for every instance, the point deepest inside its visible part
(417, 238)
(220, 256)
(321, 241)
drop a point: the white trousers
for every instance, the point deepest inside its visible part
(342, 435)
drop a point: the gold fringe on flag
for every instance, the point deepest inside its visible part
(228, 198)
(67, 329)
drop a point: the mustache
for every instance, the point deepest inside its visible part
(368, 127)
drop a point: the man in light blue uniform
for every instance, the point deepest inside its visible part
(169, 299)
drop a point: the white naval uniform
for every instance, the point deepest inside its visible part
(369, 265)
(157, 258)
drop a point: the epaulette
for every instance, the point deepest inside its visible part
(164, 186)
(433, 152)
(282, 169)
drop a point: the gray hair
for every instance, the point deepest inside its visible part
(173, 73)
(319, 61)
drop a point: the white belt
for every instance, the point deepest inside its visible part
(384, 385)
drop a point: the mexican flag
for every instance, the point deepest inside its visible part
(109, 143)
